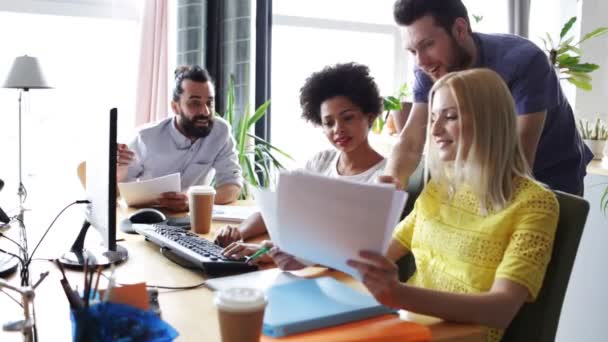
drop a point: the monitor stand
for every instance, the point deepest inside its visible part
(78, 256)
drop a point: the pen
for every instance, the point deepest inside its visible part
(258, 254)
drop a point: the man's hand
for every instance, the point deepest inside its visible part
(227, 235)
(174, 201)
(380, 276)
(124, 156)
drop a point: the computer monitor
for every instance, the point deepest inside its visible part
(101, 193)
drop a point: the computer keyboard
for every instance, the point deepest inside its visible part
(189, 246)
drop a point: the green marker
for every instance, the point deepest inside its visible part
(258, 254)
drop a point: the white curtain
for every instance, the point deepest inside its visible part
(152, 92)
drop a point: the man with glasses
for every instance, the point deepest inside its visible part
(438, 35)
(191, 143)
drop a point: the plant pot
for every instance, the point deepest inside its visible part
(596, 147)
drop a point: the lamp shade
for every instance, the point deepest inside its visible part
(26, 74)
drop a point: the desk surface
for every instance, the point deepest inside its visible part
(189, 312)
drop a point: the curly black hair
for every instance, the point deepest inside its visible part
(188, 72)
(445, 12)
(351, 80)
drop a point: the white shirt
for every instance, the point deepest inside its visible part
(161, 150)
(326, 163)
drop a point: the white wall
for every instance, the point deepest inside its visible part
(591, 104)
(123, 9)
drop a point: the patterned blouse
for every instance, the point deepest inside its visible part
(460, 249)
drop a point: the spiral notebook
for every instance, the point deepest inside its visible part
(311, 304)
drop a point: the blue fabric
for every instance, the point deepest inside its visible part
(111, 322)
(561, 156)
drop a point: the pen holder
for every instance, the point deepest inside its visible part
(104, 322)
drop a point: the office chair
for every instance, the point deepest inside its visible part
(407, 264)
(81, 171)
(538, 321)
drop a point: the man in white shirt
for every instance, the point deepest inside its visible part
(191, 143)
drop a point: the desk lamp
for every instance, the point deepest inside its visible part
(25, 74)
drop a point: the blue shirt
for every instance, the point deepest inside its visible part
(161, 150)
(561, 156)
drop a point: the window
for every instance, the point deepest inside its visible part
(308, 35)
(92, 65)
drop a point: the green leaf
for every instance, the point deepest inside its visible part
(595, 33)
(578, 75)
(566, 48)
(584, 67)
(604, 202)
(549, 40)
(567, 27)
(269, 145)
(259, 113)
(565, 59)
(545, 43)
(580, 84)
(391, 103)
(230, 102)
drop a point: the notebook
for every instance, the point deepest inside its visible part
(311, 304)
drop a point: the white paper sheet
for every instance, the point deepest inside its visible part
(328, 221)
(141, 192)
(262, 280)
(233, 213)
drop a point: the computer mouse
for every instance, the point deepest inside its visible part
(145, 216)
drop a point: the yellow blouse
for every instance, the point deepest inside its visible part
(459, 249)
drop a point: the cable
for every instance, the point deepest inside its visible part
(13, 241)
(15, 256)
(49, 228)
(189, 287)
(11, 297)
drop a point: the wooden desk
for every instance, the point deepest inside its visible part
(189, 312)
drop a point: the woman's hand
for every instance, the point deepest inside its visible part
(238, 250)
(380, 276)
(285, 261)
(227, 236)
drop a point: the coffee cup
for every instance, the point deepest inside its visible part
(240, 313)
(200, 201)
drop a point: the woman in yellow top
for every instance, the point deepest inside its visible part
(482, 230)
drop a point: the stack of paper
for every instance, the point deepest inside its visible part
(328, 221)
(143, 192)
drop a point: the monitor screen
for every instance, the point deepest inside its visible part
(101, 177)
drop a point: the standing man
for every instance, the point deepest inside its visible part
(191, 143)
(438, 35)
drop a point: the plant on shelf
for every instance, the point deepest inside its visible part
(390, 103)
(566, 57)
(595, 135)
(257, 156)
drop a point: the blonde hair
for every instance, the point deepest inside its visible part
(487, 115)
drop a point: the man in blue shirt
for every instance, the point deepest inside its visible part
(191, 143)
(438, 35)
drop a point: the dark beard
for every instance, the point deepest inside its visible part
(462, 59)
(190, 128)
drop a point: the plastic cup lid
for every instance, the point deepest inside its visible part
(240, 299)
(201, 189)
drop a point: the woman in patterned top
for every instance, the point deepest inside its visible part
(482, 230)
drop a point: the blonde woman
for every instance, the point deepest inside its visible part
(482, 230)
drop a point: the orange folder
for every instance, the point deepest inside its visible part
(387, 328)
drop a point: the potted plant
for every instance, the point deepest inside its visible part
(566, 57)
(595, 135)
(257, 156)
(391, 105)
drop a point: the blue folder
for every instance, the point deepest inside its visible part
(311, 304)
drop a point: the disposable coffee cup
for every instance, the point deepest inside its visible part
(240, 313)
(200, 201)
